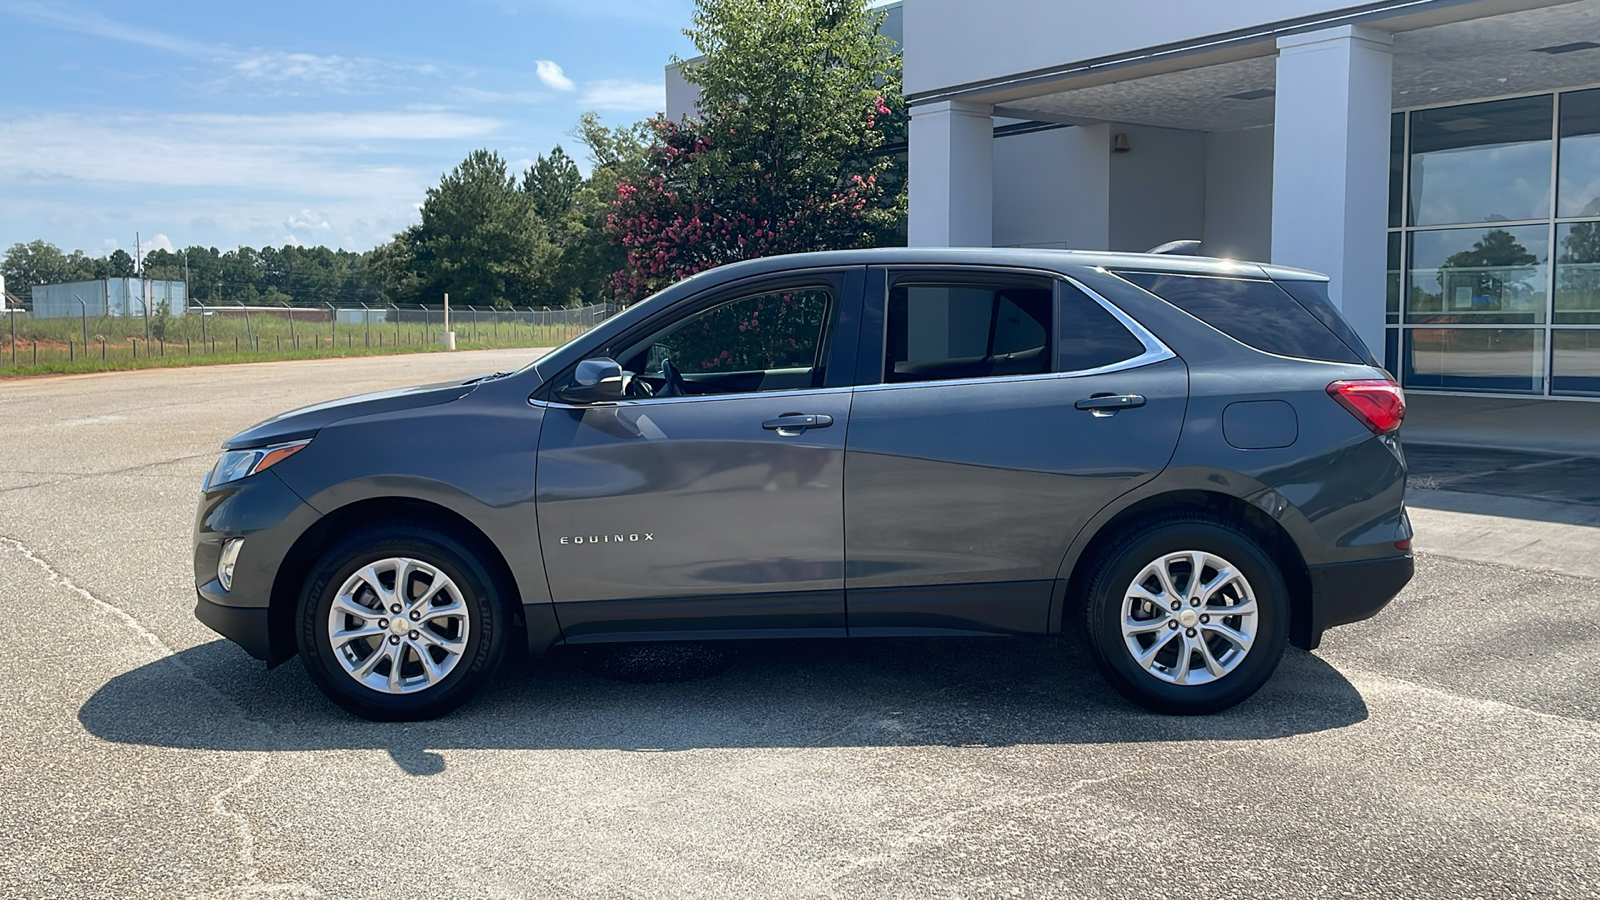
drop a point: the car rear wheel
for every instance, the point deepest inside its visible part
(1187, 616)
(400, 623)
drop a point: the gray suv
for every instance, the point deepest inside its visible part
(1193, 463)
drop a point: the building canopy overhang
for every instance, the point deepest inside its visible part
(1444, 52)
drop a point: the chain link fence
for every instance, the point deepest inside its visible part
(241, 333)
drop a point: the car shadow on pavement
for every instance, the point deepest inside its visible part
(744, 694)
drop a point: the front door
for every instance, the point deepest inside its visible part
(715, 504)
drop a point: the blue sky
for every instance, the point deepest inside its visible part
(222, 124)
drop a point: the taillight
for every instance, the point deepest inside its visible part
(1378, 403)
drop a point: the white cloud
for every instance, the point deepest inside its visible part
(156, 242)
(270, 67)
(552, 76)
(279, 66)
(69, 17)
(307, 220)
(307, 154)
(625, 96)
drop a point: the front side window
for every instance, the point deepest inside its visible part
(761, 342)
(939, 329)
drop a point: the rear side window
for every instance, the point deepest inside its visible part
(1313, 295)
(944, 330)
(1091, 337)
(1256, 313)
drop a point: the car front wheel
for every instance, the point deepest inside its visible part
(1187, 616)
(399, 623)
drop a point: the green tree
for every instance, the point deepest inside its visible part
(552, 183)
(40, 262)
(799, 104)
(480, 240)
(119, 264)
(1487, 273)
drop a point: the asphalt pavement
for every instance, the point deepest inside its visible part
(1447, 748)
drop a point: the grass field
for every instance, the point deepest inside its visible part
(57, 346)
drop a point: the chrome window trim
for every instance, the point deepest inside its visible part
(646, 402)
(1136, 362)
(1154, 351)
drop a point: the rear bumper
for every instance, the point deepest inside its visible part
(244, 625)
(1342, 593)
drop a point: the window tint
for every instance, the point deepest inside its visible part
(762, 342)
(1090, 336)
(1313, 295)
(942, 330)
(1257, 313)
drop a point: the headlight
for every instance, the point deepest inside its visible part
(237, 464)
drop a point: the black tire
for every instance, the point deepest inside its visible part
(1113, 576)
(484, 614)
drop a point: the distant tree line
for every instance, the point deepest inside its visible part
(798, 145)
(299, 276)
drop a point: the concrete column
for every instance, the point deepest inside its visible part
(1330, 166)
(951, 170)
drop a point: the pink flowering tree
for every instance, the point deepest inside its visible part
(797, 145)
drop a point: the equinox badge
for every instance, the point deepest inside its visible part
(607, 538)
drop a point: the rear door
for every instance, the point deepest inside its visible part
(716, 506)
(998, 412)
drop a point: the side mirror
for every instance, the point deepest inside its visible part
(598, 380)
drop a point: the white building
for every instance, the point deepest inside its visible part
(1439, 159)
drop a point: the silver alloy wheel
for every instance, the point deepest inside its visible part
(1189, 617)
(398, 625)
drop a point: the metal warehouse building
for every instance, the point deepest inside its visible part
(108, 297)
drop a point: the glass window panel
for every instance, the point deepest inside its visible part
(1483, 162)
(1579, 193)
(1090, 336)
(774, 337)
(1576, 362)
(1493, 360)
(1391, 350)
(940, 331)
(1392, 300)
(1397, 168)
(1578, 274)
(1479, 275)
(1259, 314)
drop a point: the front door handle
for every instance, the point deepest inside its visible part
(795, 423)
(1109, 404)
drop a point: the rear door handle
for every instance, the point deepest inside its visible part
(1108, 404)
(794, 423)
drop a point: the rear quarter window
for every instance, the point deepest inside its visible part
(1256, 313)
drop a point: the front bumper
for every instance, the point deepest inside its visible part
(1347, 592)
(271, 518)
(246, 626)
